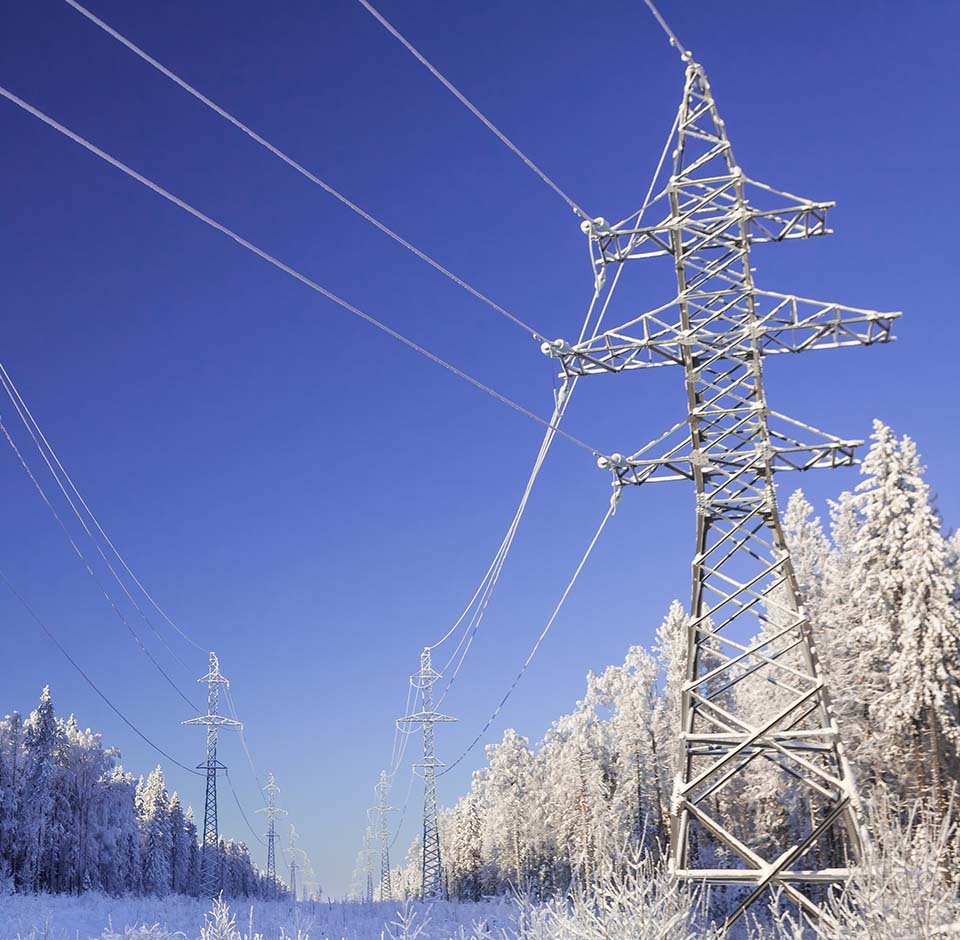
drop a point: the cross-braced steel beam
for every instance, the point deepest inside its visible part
(748, 638)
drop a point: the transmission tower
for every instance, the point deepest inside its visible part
(272, 811)
(747, 628)
(293, 862)
(433, 886)
(213, 721)
(368, 863)
(382, 790)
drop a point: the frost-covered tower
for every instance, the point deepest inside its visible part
(213, 721)
(747, 629)
(383, 810)
(427, 717)
(272, 811)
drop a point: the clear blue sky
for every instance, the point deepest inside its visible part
(316, 502)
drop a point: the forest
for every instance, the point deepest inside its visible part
(73, 820)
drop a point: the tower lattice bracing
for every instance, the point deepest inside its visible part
(427, 717)
(382, 790)
(368, 864)
(293, 862)
(213, 721)
(754, 706)
(272, 811)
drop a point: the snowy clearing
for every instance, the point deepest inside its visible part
(69, 917)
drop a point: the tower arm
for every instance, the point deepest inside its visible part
(784, 323)
(726, 456)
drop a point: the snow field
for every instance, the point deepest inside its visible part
(92, 915)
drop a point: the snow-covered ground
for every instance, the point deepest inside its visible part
(66, 917)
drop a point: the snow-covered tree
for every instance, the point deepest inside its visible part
(156, 838)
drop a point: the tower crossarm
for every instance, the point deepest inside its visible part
(214, 721)
(733, 453)
(424, 716)
(781, 323)
(709, 215)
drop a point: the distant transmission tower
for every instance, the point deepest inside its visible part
(748, 628)
(382, 790)
(272, 811)
(368, 864)
(213, 721)
(433, 886)
(293, 863)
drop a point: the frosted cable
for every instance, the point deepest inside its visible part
(536, 646)
(470, 106)
(53, 639)
(663, 23)
(293, 164)
(90, 571)
(33, 422)
(17, 401)
(292, 272)
(240, 807)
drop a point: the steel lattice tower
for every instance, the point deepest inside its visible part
(382, 789)
(748, 632)
(213, 721)
(272, 811)
(427, 717)
(293, 863)
(368, 863)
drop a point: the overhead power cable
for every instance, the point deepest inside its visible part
(56, 468)
(240, 807)
(477, 113)
(403, 810)
(53, 639)
(49, 454)
(536, 646)
(303, 171)
(83, 559)
(292, 272)
(253, 767)
(670, 34)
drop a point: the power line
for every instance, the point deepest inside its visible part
(33, 426)
(406, 803)
(292, 272)
(293, 164)
(240, 807)
(670, 34)
(536, 646)
(23, 412)
(470, 105)
(53, 639)
(90, 571)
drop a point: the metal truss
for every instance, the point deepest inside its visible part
(382, 790)
(367, 855)
(213, 721)
(433, 885)
(748, 634)
(293, 863)
(272, 811)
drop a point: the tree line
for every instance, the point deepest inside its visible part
(73, 820)
(881, 586)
